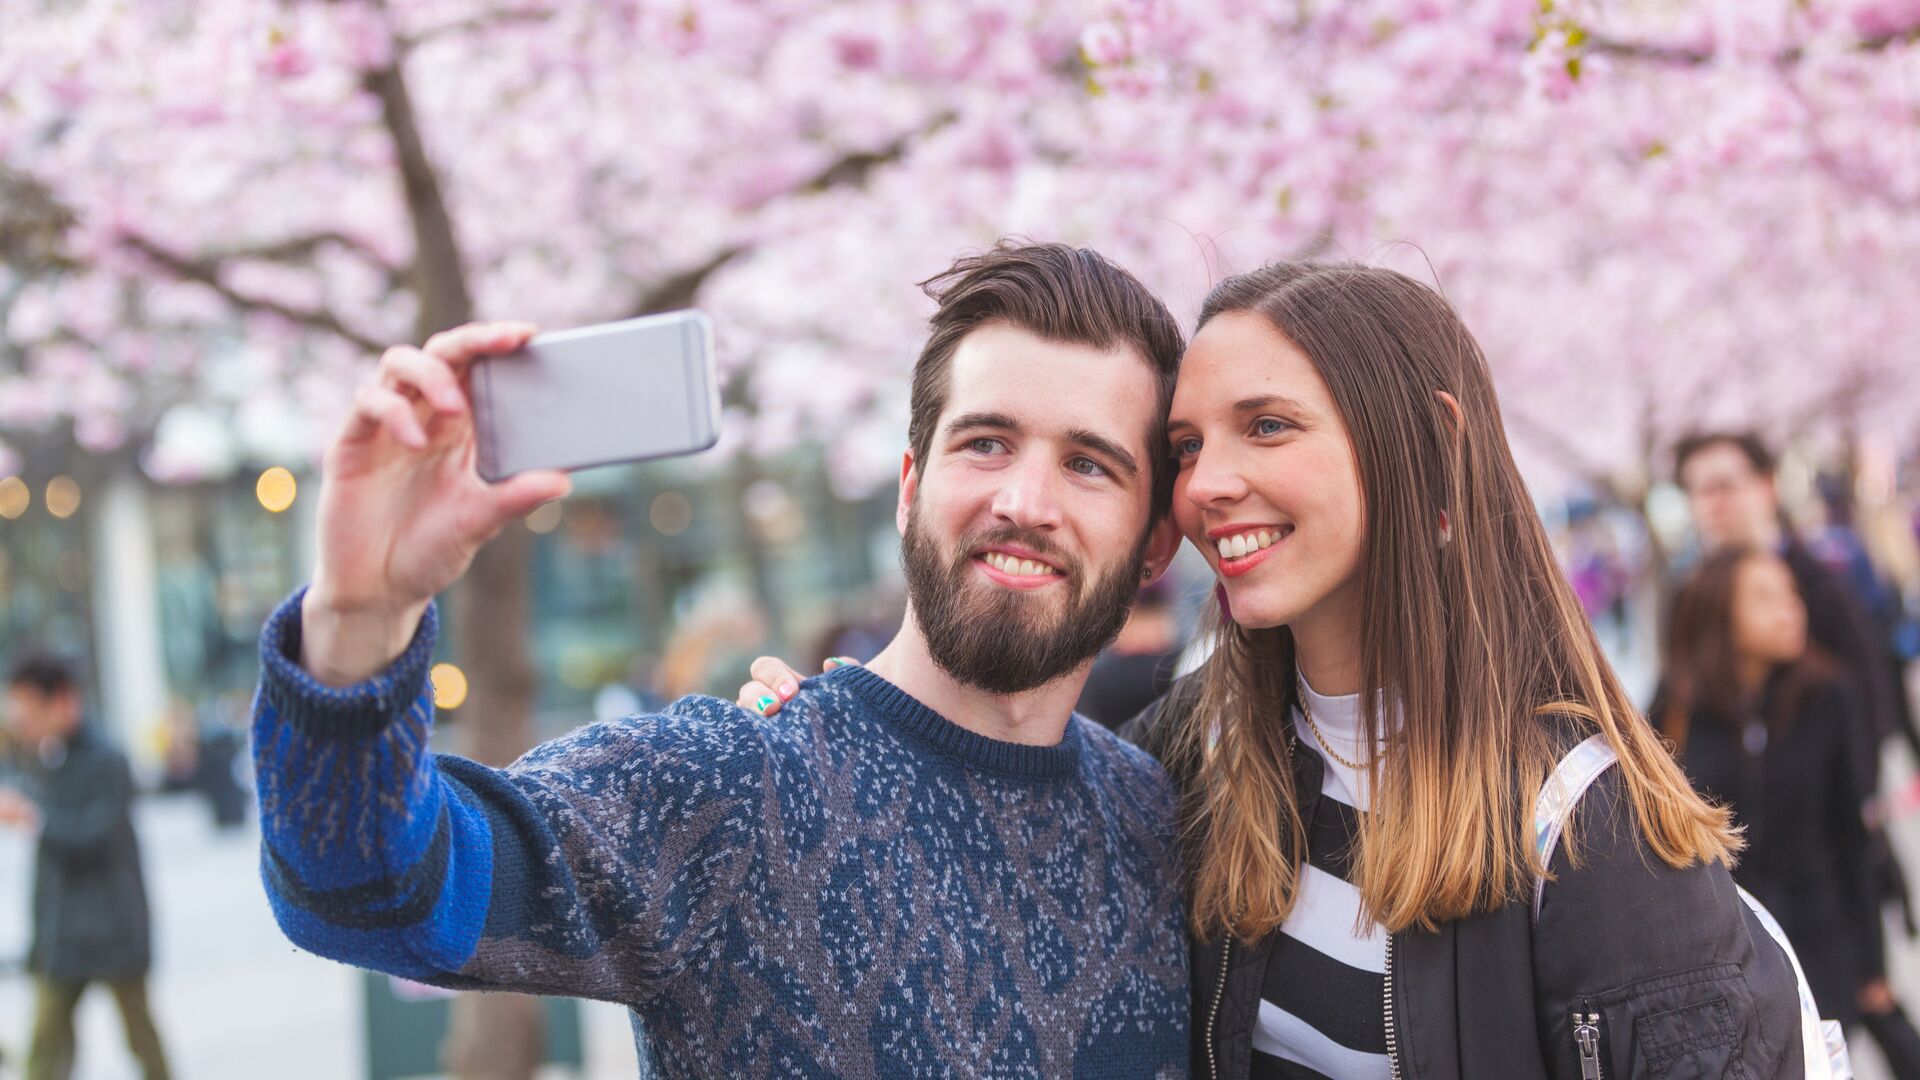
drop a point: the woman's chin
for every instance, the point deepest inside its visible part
(1251, 611)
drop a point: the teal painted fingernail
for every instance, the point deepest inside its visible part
(767, 701)
(847, 661)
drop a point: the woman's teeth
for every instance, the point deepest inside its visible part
(1007, 564)
(1246, 543)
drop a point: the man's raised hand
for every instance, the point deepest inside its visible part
(403, 508)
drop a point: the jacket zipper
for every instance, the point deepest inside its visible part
(1586, 1040)
(1386, 994)
(1219, 993)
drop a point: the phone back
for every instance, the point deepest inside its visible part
(625, 391)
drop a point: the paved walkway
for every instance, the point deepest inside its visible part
(235, 1001)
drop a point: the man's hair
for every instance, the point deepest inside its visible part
(1070, 295)
(1746, 442)
(42, 672)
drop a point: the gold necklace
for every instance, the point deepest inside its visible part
(1307, 711)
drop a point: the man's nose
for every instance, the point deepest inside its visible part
(1029, 495)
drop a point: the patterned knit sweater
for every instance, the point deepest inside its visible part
(856, 887)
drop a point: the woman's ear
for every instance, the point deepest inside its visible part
(1453, 406)
(1459, 424)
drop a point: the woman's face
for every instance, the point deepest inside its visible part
(1267, 473)
(1769, 619)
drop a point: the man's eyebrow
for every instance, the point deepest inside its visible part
(1106, 447)
(969, 421)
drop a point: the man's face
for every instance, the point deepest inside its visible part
(33, 716)
(1025, 530)
(1732, 502)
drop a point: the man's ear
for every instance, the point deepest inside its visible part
(1163, 543)
(909, 482)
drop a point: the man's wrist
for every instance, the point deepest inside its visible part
(343, 644)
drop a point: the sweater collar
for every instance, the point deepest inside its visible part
(910, 716)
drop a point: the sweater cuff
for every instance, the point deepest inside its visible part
(356, 711)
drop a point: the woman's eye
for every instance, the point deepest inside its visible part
(1267, 425)
(1086, 467)
(1186, 447)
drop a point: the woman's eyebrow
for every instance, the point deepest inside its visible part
(1269, 401)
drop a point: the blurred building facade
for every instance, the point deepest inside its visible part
(648, 582)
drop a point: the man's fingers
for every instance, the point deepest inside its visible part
(520, 495)
(461, 345)
(376, 408)
(758, 697)
(406, 368)
(773, 672)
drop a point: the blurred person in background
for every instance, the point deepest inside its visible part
(1139, 666)
(1765, 725)
(90, 922)
(1729, 481)
(1730, 490)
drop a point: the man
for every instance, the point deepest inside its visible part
(923, 866)
(89, 901)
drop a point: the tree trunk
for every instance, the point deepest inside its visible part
(489, 1036)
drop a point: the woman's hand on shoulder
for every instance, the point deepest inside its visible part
(772, 683)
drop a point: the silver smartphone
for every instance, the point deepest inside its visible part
(623, 391)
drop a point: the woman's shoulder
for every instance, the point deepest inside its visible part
(1153, 728)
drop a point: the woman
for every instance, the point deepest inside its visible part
(1410, 601)
(1401, 665)
(1766, 727)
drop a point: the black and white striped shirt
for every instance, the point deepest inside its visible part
(1321, 1008)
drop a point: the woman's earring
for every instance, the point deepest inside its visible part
(1220, 594)
(1446, 529)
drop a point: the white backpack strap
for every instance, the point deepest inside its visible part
(1822, 1042)
(1554, 808)
(1823, 1046)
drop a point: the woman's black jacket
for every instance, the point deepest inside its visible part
(1795, 791)
(1684, 979)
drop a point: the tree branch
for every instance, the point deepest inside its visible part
(303, 247)
(207, 272)
(482, 21)
(1691, 57)
(853, 169)
(32, 223)
(679, 290)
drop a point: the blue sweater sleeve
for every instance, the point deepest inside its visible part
(595, 866)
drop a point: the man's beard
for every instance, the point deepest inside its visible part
(1005, 641)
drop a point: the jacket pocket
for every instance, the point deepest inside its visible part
(1688, 1025)
(1692, 1041)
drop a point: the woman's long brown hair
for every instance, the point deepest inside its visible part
(1476, 640)
(1700, 665)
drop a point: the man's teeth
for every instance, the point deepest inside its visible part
(1246, 543)
(1007, 564)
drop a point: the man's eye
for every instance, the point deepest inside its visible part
(984, 446)
(1268, 425)
(1086, 467)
